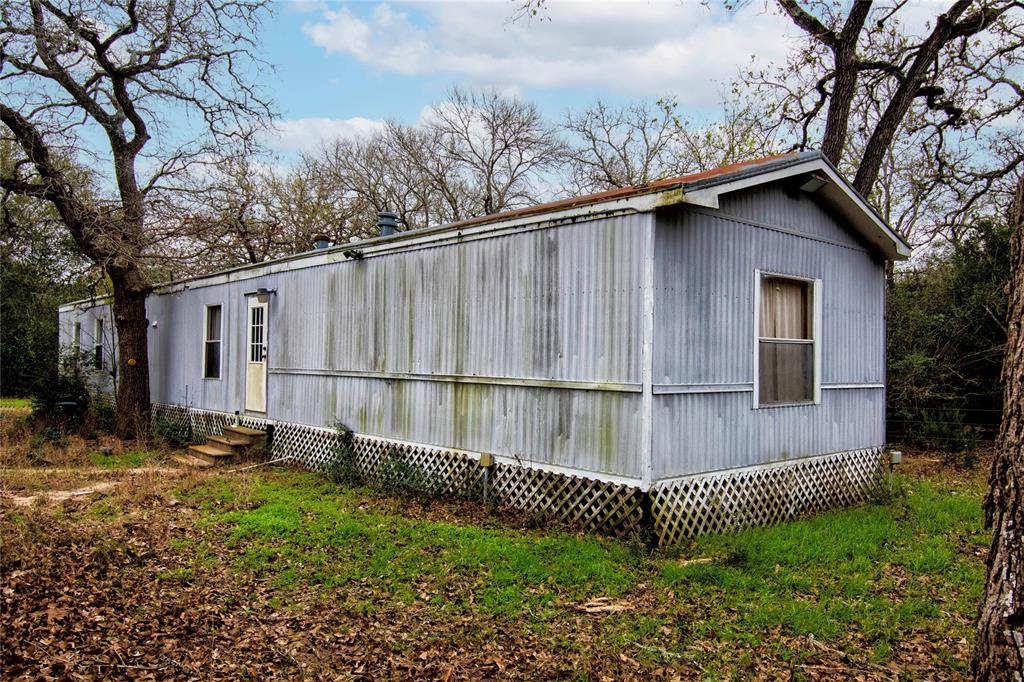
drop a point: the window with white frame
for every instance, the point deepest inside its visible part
(211, 343)
(786, 341)
(97, 359)
(76, 340)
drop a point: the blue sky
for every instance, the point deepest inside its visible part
(340, 67)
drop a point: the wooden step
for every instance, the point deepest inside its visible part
(244, 431)
(190, 461)
(210, 453)
(234, 442)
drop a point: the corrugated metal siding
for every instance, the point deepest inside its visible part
(797, 211)
(704, 286)
(558, 304)
(98, 380)
(711, 431)
(588, 430)
(704, 300)
(561, 304)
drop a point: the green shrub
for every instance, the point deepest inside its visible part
(398, 476)
(172, 433)
(61, 396)
(342, 468)
(946, 337)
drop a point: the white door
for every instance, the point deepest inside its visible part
(256, 357)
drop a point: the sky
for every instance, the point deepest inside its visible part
(343, 67)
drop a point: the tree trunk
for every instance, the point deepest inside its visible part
(895, 113)
(999, 649)
(132, 408)
(844, 87)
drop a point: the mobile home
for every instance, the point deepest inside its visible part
(701, 353)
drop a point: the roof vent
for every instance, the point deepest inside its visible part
(387, 223)
(321, 242)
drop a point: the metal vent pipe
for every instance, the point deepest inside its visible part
(387, 223)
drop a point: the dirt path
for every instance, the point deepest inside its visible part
(60, 493)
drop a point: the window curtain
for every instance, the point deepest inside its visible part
(784, 309)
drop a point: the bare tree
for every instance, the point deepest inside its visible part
(738, 134)
(221, 217)
(480, 153)
(501, 146)
(125, 69)
(621, 146)
(637, 143)
(873, 93)
(373, 177)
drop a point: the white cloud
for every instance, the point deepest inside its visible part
(645, 48)
(307, 134)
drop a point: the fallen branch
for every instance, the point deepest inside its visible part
(661, 651)
(259, 464)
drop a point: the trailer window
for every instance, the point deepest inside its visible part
(786, 338)
(212, 341)
(97, 358)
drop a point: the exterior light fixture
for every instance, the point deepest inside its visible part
(263, 294)
(813, 183)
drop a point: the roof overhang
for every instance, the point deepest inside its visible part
(702, 189)
(836, 193)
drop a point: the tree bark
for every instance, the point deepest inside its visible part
(881, 139)
(132, 407)
(844, 87)
(999, 649)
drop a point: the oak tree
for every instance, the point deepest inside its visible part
(139, 90)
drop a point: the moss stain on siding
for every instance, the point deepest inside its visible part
(401, 417)
(606, 437)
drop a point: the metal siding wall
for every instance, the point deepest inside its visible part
(558, 304)
(176, 345)
(712, 431)
(704, 277)
(595, 431)
(770, 205)
(101, 381)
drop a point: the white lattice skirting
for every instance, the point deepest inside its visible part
(676, 509)
(761, 496)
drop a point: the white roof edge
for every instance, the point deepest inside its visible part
(106, 299)
(870, 225)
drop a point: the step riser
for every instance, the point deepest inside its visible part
(256, 438)
(211, 459)
(234, 445)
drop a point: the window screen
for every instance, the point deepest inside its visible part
(785, 342)
(211, 363)
(77, 341)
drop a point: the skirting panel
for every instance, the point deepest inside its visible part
(677, 509)
(762, 495)
(600, 506)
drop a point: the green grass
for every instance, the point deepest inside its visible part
(16, 403)
(302, 531)
(124, 460)
(880, 571)
(860, 579)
